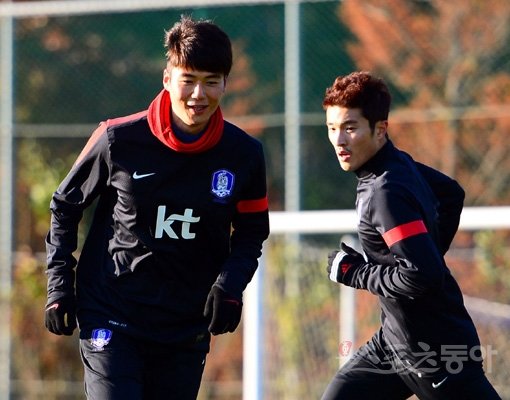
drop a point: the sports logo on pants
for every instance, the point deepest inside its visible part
(100, 338)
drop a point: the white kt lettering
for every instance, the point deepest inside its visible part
(165, 224)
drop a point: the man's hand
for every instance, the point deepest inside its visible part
(223, 310)
(60, 317)
(340, 262)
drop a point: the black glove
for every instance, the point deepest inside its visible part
(343, 261)
(60, 316)
(223, 310)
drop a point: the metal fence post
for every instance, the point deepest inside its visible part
(253, 336)
(6, 200)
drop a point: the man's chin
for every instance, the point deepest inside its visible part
(345, 166)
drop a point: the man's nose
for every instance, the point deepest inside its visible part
(198, 90)
(340, 138)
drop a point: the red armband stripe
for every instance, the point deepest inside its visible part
(404, 231)
(249, 206)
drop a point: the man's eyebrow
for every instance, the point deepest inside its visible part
(192, 75)
(346, 122)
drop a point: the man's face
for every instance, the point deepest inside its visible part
(195, 96)
(350, 134)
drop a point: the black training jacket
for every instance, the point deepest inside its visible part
(167, 226)
(408, 215)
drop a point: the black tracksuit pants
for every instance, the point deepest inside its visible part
(130, 369)
(374, 373)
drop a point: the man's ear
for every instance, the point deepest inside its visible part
(381, 129)
(166, 78)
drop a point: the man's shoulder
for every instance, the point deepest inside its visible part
(129, 128)
(398, 180)
(236, 134)
(128, 120)
(400, 169)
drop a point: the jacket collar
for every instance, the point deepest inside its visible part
(376, 165)
(160, 123)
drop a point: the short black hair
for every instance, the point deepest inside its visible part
(360, 90)
(198, 45)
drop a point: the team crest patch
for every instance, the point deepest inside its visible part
(100, 338)
(222, 183)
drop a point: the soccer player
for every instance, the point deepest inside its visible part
(181, 216)
(408, 215)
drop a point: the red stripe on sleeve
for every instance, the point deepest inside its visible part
(404, 231)
(249, 206)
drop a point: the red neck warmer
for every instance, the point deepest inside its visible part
(159, 118)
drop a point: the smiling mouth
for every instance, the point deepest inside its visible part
(198, 109)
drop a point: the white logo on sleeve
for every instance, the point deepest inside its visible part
(164, 225)
(436, 385)
(136, 175)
